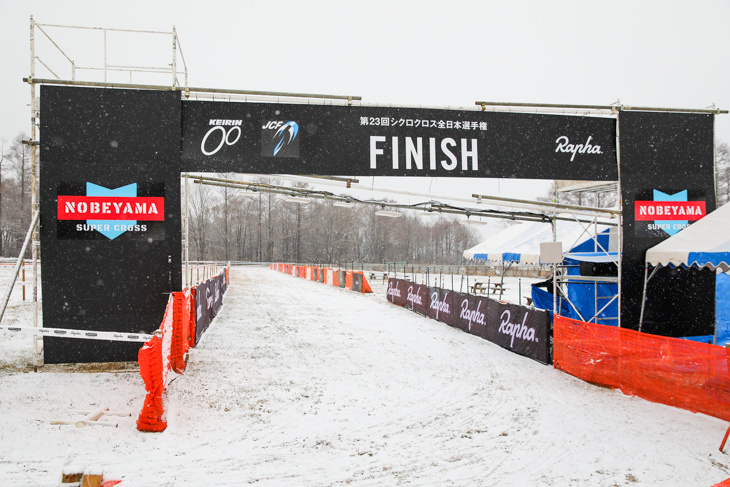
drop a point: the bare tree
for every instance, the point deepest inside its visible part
(2, 160)
(18, 156)
(722, 174)
(201, 210)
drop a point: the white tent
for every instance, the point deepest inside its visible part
(705, 243)
(520, 243)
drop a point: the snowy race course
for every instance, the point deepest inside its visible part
(300, 383)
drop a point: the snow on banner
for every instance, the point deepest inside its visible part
(523, 330)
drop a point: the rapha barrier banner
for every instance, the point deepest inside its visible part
(208, 301)
(384, 141)
(523, 330)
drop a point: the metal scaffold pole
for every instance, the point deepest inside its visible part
(34, 188)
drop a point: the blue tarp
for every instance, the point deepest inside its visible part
(722, 307)
(544, 300)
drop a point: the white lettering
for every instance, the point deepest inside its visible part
(393, 290)
(439, 306)
(564, 145)
(414, 152)
(395, 152)
(432, 153)
(444, 147)
(414, 298)
(374, 150)
(471, 315)
(516, 330)
(466, 154)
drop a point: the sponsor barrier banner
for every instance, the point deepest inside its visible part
(391, 141)
(523, 330)
(208, 301)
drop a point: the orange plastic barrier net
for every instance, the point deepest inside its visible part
(672, 371)
(153, 369)
(159, 355)
(724, 483)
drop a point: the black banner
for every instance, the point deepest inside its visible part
(523, 330)
(667, 176)
(373, 141)
(98, 278)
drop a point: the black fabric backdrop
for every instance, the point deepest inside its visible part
(110, 138)
(523, 330)
(667, 152)
(335, 140)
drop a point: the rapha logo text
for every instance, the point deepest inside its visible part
(472, 315)
(516, 330)
(393, 290)
(414, 299)
(564, 145)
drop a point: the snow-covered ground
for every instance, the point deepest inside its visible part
(299, 383)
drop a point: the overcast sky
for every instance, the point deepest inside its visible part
(643, 53)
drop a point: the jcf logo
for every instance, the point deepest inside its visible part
(279, 139)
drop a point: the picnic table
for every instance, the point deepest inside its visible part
(497, 287)
(479, 287)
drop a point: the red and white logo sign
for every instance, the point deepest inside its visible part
(111, 208)
(669, 210)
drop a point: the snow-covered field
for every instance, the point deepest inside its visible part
(303, 384)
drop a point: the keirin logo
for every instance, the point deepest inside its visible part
(472, 315)
(286, 133)
(564, 145)
(516, 330)
(414, 298)
(228, 137)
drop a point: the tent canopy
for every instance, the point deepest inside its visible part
(705, 243)
(520, 243)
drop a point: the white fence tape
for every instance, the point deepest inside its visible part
(84, 334)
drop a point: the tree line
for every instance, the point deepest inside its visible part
(231, 224)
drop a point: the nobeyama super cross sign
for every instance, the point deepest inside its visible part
(88, 211)
(667, 213)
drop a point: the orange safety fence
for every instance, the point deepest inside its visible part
(165, 351)
(724, 483)
(154, 359)
(326, 274)
(672, 371)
